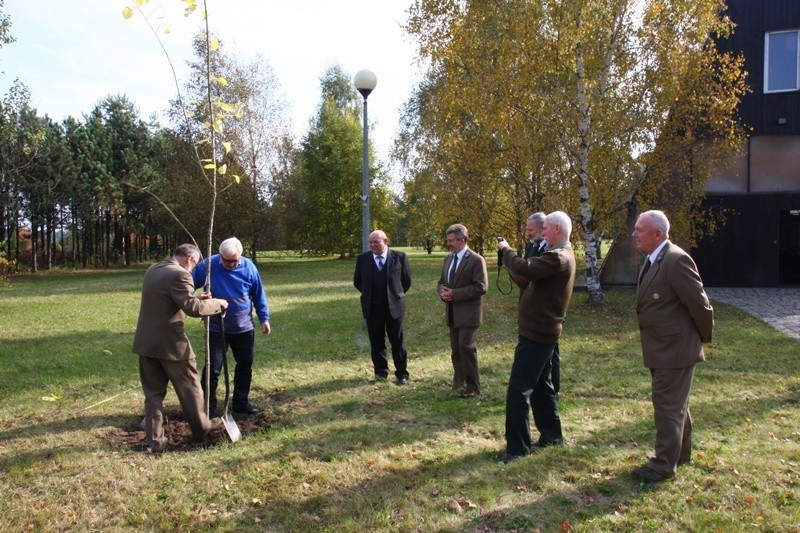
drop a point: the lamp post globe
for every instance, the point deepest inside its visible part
(365, 81)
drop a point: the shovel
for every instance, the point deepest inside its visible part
(227, 419)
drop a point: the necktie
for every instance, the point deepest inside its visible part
(380, 262)
(453, 270)
(644, 270)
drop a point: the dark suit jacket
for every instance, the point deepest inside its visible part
(533, 249)
(167, 297)
(397, 283)
(469, 286)
(673, 311)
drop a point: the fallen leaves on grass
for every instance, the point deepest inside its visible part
(459, 505)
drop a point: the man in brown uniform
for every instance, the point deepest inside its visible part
(675, 319)
(165, 354)
(462, 286)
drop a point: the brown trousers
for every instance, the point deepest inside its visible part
(670, 395)
(155, 374)
(464, 355)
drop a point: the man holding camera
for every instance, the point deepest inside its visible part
(535, 247)
(541, 313)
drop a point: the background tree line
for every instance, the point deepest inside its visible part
(98, 191)
(595, 107)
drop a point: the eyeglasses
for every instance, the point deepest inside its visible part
(229, 262)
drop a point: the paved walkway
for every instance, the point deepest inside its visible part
(780, 308)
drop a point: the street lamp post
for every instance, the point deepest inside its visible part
(365, 81)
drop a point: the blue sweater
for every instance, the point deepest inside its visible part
(241, 287)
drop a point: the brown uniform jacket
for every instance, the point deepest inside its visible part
(675, 317)
(167, 297)
(469, 286)
(550, 279)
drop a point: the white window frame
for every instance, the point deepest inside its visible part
(766, 62)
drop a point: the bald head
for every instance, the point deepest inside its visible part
(378, 241)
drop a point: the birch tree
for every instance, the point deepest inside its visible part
(589, 84)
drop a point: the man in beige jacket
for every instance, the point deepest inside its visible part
(165, 354)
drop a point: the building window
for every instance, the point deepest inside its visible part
(782, 61)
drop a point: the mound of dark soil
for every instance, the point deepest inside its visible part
(179, 434)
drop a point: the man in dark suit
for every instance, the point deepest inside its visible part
(675, 319)
(165, 354)
(462, 286)
(383, 277)
(533, 232)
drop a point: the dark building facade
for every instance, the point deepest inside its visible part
(759, 246)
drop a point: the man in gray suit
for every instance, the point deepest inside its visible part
(675, 319)
(165, 354)
(462, 286)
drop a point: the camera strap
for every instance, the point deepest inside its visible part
(497, 281)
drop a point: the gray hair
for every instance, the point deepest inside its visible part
(187, 250)
(537, 218)
(459, 230)
(659, 221)
(561, 219)
(231, 245)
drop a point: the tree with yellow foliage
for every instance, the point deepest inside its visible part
(590, 89)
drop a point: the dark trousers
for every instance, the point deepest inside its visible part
(531, 387)
(380, 324)
(241, 344)
(555, 372)
(670, 395)
(464, 355)
(555, 361)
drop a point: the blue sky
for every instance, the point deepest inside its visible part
(73, 54)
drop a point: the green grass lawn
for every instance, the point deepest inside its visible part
(347, 454)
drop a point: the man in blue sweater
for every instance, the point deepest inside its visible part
(235, 279)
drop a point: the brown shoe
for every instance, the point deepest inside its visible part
(215, 426)
(467, 393)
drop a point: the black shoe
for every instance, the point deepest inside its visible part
(380, 377)
(402, 381)
(545, 444)
(648, 475)
(509, 457)
(248, 409)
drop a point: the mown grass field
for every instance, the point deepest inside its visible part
(347, 454)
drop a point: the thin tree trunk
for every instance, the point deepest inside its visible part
(587, 218)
